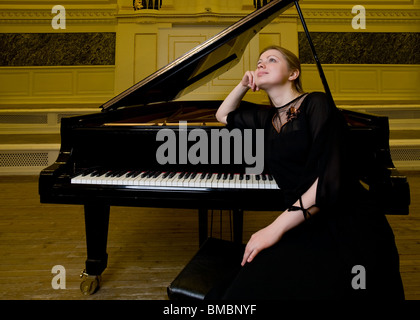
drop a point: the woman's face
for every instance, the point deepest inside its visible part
(272, 70)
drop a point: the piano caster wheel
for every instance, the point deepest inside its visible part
(90, 284)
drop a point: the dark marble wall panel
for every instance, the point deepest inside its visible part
(361, 48)
(57, 49)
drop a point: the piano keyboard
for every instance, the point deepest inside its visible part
(175, 180)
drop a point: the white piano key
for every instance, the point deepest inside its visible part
(161, 180)
(214, 180)
(177, 182)
(254, 183)
(195, 181)
(101, 179)
(87, 179)
(77, 179)
(171, 179)
(138, 179)
(220, 181)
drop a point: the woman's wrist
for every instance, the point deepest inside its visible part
(279, 227)
(242, 87)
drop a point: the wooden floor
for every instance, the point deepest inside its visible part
(147, 247)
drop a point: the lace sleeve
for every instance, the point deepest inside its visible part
(325, 160)
(248, 117)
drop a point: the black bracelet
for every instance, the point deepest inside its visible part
(306, 213)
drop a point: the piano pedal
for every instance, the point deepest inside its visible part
(90, 283)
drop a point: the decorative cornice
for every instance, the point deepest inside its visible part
(44, 16)
(371, 14)
(197, 18)
(112, 15)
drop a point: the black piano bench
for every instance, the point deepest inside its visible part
(209, 272)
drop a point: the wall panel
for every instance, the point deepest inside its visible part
(46, 85)
(387, 84)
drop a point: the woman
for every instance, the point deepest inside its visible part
(331, 242)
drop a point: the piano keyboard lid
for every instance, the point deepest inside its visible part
(201, 64)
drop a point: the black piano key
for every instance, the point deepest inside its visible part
(99, 173)
(94, 173)
(103, 172)
(120, 173)
(108, 173)
(87, 172)
(128, 174)
(91, 173)
(135, 174)
(151, 174)
(116, 174)
(111, 174)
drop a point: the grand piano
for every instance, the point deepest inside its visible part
(109, 158)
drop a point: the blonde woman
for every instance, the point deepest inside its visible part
(331, 228)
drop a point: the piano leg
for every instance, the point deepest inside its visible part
(96, 224)
(238, 223)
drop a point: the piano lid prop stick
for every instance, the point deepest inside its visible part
(318, 64)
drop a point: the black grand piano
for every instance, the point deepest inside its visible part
(109, 158)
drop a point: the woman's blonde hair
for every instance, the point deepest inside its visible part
(292, 62)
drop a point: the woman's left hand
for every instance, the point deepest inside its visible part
(261, 240)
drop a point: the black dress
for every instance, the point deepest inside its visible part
(347, 250)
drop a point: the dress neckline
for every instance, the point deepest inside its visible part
(285, 105)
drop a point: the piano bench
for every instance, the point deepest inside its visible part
(211, 269)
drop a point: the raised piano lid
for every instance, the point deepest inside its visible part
(202, 64)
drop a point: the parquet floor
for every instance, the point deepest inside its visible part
(147, 247)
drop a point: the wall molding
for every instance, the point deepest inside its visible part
(44, 15)
(402, 15)
(111, 13)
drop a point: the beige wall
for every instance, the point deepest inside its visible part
(147, 40)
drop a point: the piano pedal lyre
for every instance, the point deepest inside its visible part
(90, 283)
